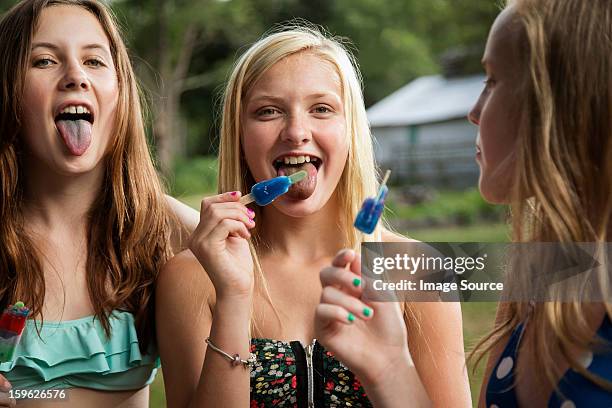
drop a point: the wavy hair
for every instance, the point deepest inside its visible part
(129, 224)
(563, 170)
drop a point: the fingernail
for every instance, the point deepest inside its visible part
(367, 311)
(351, 317)
(251, 212)
(356, 282)
(233, 193)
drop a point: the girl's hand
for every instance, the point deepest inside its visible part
(5, 400)
(369, 338)
(220, 244)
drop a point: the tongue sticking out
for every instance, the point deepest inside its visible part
(304, 188)
(76, 135)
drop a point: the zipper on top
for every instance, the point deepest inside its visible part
(310, 372)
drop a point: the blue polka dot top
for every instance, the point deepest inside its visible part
(575, 390)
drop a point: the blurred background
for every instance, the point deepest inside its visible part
(420, 62)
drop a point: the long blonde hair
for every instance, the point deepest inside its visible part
(563, 164)
(128, 228)
(359, 177)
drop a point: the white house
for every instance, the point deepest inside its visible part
(422, 133)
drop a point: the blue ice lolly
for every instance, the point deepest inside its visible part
(264, 192)
(372, 208)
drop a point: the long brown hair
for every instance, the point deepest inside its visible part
(128, 226)
(563, 164)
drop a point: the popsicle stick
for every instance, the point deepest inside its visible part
(382, 185)
(387, 174)
(247, 199)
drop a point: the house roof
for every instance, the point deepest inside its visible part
(427, 99)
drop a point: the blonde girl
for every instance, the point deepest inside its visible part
(251, 281)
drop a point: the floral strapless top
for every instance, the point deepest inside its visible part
(288, 374)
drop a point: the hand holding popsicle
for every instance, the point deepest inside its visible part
(220, 244)
(353, 329)
(5, 398)
(372, 208)
(264, 192)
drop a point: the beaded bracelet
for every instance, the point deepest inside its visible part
(235, 359)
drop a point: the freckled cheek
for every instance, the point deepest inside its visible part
(333, 138)
(257, 141)
(107, 93)
(259, 135)
(36, 100)
(36, 115)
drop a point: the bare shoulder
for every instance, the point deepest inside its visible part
(186, 215)
(182, 277)
(184, 221)
(390, 236)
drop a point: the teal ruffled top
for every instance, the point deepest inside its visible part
(77, 353)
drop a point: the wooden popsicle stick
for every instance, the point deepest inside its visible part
(247, 199)
(387, 174)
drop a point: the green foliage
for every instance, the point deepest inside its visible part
(195, 176)
(447, 208)
(395, 41)
(491, 232)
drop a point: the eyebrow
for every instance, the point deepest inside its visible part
(266, 97)
(55, 47)
(277, 99)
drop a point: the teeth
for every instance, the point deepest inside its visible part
(297, 159)
(75, 109)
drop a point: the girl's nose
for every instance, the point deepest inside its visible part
(75, 78)
(296, 131)
(474, 114)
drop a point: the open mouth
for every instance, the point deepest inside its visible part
(296, 162)
(74, 123)
(75, 112)
(289, 164)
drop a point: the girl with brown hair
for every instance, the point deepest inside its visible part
(85, 223)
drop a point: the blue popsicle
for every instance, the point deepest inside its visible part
(264, 192)
(372, 208)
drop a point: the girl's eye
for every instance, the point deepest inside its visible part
(94, 62)
(43, 63)
(322, 109)
(489, 82)
(267, 112)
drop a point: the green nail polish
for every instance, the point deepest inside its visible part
(356, 282)
(351, 318)
(367, 311)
